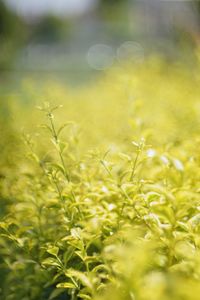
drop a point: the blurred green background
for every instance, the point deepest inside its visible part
(76, 38)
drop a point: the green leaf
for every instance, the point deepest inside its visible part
(79, 276)
(59, 168)
(53, 203)
(135, 144)
(84, 296)
(66, 285)
(100, 268)
(4, 225)
(80, 254)
(76, 233)
(51, 262)
(33, 156)
(125, 157)
(63, 146)
(53, 251)
(64, 126)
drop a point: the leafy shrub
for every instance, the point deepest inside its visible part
(106, 206)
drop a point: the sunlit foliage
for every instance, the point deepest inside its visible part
(99, 187)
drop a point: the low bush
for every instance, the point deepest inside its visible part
(100, 197)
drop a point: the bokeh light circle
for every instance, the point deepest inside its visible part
(100, 56)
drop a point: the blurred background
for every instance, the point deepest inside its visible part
(75, 39)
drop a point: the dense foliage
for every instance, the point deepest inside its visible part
(100, 197)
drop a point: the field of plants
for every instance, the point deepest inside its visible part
(99, 186)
